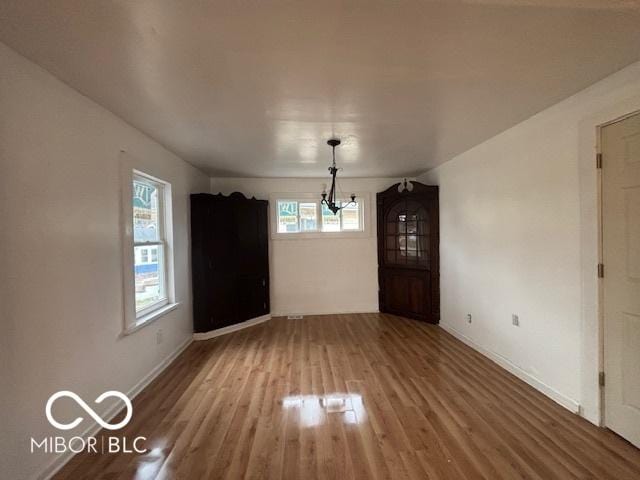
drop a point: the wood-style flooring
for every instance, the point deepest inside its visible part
(362, 396)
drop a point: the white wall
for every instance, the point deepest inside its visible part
(60, 255)
(518, 230)
(314, 276)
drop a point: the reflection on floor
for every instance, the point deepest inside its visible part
(313, 409)
(352, 396)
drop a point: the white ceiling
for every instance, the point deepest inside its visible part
(255, 88)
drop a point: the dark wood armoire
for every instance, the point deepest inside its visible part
(408, 252)
(230, 259)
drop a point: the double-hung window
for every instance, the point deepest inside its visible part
(150, 202)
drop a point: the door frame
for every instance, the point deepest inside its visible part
(607, 106)
(600, 299)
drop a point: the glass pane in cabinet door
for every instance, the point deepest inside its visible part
(423, 244)
(412, 246)
(402, 223)
(402, 245)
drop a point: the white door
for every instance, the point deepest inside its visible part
(621, 258)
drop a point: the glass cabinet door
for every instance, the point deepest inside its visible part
(406, 234)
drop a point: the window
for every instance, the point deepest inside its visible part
(330, 222)
(308, 217)
(302, 216)
(351, 217)
(287, 217)
(150, 202)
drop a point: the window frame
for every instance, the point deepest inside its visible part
(160, 243)
(306, 197)
(134, 320)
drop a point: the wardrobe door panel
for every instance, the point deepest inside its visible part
(222, 276)
(253, 302)
(263, 241)
(247, 238)
(199, 262)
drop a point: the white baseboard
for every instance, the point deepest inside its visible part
(505, 363)
(370, 309)
(62, 459)
(231, 328)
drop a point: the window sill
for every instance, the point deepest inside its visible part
(319, 235)
(150, 318)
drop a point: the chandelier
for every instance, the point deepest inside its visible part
(330, 199)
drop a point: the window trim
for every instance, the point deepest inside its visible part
(362, 198)
(161, 242)
(132, 320)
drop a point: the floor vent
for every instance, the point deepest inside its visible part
(295, 317)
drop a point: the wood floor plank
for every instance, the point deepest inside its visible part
(352, 396)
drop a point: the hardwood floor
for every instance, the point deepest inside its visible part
(352, 396)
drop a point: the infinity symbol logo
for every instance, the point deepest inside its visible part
(89, 410)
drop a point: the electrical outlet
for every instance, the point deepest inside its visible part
(159, 336)
(468, 318)
(515, 320)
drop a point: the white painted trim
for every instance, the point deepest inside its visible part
(61, 460)
(157, 370)
(370, 309)
(539, 385)
(276, 237)
(231, 328)
(592, 311)
(129, 168)
(151, 317)
(602, 351)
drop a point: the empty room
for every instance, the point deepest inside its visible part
(355, 239)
